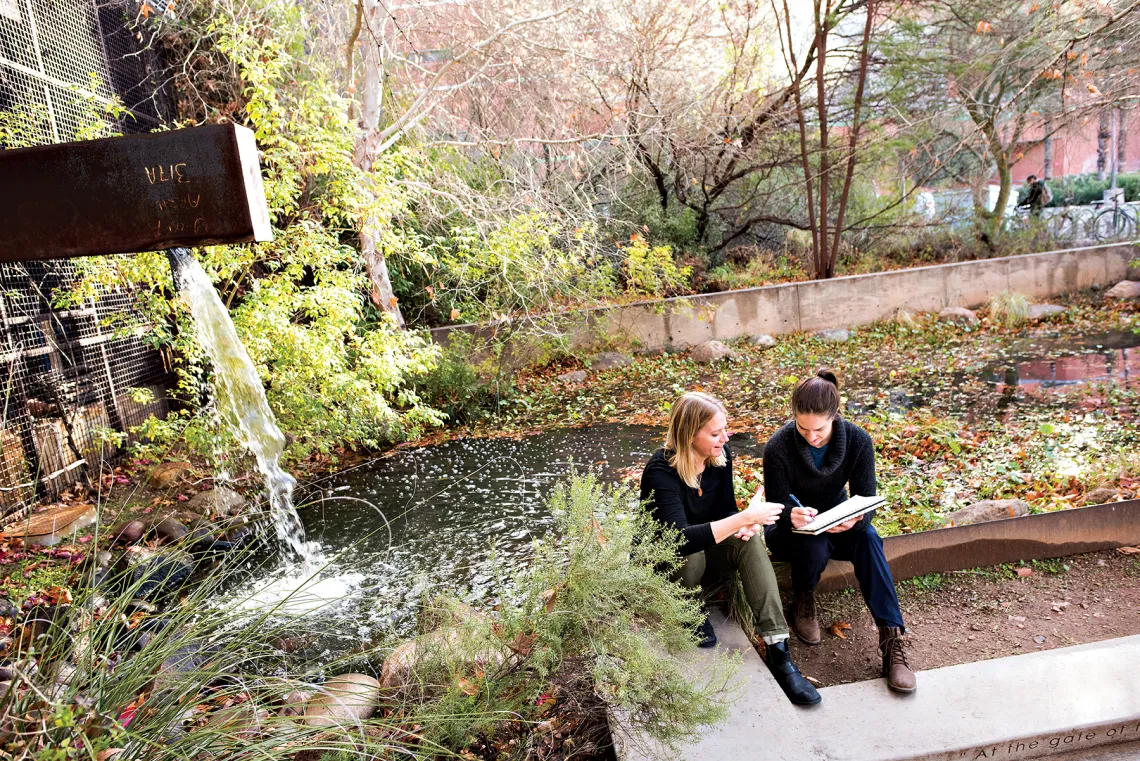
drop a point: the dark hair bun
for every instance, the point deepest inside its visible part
(828, 376)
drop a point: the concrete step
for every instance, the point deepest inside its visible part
(1057, 703)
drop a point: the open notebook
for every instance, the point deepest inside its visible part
(844, 511)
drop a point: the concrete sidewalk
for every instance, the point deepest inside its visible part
(1078, 702)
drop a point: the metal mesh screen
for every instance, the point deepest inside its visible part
(71, 375)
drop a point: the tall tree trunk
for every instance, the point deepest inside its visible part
(1103, 134)
(822, 260)
(371, 99)
(1047, 169)
(1121, 141)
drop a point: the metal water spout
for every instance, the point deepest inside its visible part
(188, 187)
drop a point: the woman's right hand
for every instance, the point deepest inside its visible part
(802, 516)
(764, 513)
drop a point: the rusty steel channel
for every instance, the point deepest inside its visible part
(187, 187)
(1031, 537)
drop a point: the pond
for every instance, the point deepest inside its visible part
(444, 516)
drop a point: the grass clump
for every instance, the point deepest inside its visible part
(1008, 308)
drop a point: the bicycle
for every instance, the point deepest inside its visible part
(1114, 223)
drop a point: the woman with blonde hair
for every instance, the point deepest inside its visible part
(688, 485)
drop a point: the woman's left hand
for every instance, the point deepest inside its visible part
(845, 525)
(748, 532)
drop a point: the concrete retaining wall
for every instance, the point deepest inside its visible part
(853, 300)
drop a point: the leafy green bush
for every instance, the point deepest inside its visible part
(455, 388)
(1084, 189)
(651, 270)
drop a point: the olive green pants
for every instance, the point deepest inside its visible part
(750, 558)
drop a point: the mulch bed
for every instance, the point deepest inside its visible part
(968, 616)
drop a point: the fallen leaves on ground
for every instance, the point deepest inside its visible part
(1128, 550)
(838, 628)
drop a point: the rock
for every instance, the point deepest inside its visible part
(1100, 496)
(959, 315)
(833, 335)
(50, 526)
(168, 530)
(8, 609)
(128, 532)
(217, 501)
(156, 575)
(763, 340)
(167, 474)
(293, 703)
(574, 376)
(711, 351)
(1038, 312)
(1125, 289)
(649, 351)
(987, 510)
(342, 700)
(608, 360)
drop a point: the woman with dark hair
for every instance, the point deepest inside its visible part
(815, 457)
(688, 485)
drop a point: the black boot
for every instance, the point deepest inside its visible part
(798, 689)
(706, 636)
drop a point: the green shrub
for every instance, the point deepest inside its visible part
(455, 389)
(652, 270)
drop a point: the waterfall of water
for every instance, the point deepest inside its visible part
(241, 397)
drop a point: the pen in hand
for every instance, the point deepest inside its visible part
(811, 513)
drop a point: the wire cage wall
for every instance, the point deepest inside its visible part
(72, 377)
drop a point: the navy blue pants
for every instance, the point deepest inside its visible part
(862, 546)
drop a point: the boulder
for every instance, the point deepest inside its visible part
(574, 376)
(167, 474)
(987, 510)
(959, 315)
(1125, 289)
(217, 501)
(833, 335)
(128, 532)
(8, 609)
(155, 575)
(168, 530)
(344, 699)
(1038, 312)
(293, 703)
(763, 340)
(54, 524)
(608, 360)
(711, 351)
(1101, 496)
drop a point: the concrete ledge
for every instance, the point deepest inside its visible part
(1076, 704)
(844, 301)
(1031, 537)
(1021, 707)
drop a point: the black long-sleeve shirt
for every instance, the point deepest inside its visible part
(675, 503)
(788, 469)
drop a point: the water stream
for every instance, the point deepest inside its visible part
(240, 397)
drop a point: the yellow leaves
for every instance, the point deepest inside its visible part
(146, 10)
(454, 313)
(984, 27)
(1093, 89)
(392, 301)
(838, 628)
(430, 292)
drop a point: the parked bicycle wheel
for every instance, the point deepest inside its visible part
(1114, 224)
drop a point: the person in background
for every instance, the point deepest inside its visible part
(808, 465)
(1038, 196)
(688, 485)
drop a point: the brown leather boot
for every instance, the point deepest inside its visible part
(895, 668)
(804, 622)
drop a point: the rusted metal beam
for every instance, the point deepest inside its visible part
(1031, 537)
(188, 187)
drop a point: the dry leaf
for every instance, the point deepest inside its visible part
(838, 628)
(1128, 550)
(523, 644)
(466, 686)
(107, 753)
(550, 597)
(1023, 572)
(455, 314)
